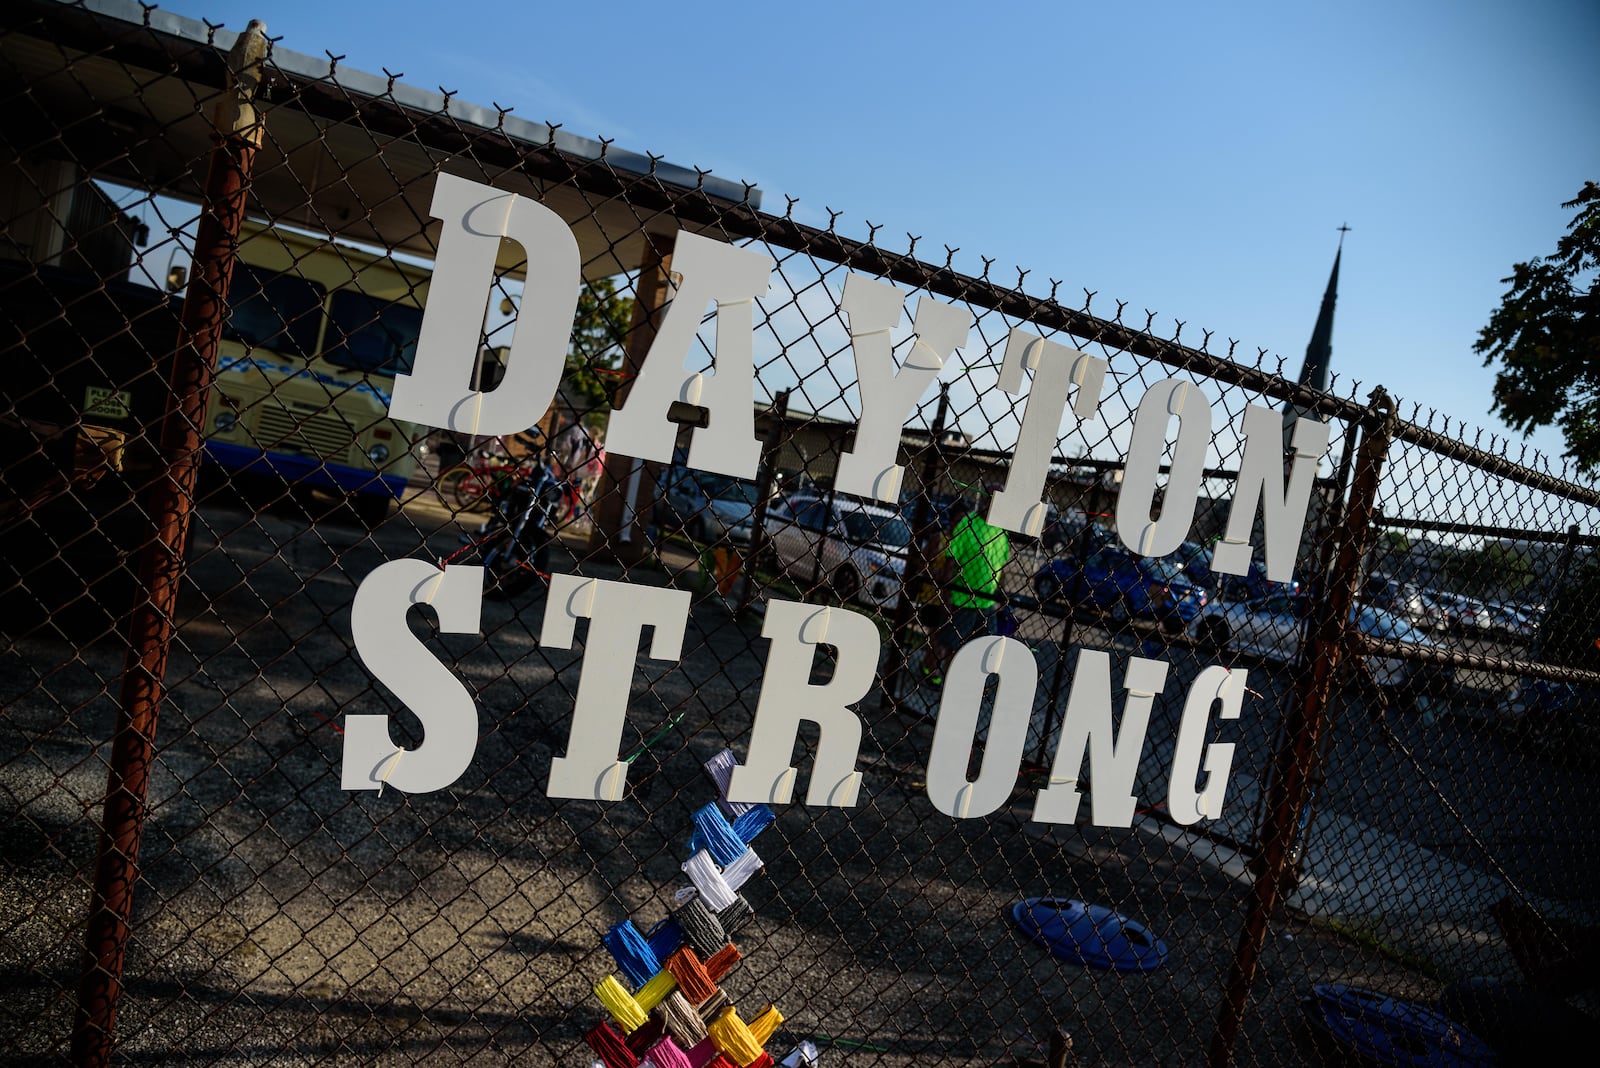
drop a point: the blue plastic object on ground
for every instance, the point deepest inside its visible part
(1391, 1032)
(1089, 934)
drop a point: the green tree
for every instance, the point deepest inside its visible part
(1546, 337)
(1571, 631)
(601, 324)
(1394, 543)
(1495, 571)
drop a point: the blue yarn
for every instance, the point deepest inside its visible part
(665, 938)
(714, 834)
(634, 955)
(752, 822)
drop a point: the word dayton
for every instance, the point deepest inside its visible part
(438, 393)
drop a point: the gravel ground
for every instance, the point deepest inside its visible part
(281, 920)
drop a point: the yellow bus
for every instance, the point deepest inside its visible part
(316, 334)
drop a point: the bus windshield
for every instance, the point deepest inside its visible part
(277, 312)
(370, 335)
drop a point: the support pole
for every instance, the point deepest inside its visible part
(767, 478)
(917, 563)
(1294, 765)
(160, 563)
(626, 496)
(1569, 546)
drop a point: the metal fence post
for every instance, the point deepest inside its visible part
(160, 563)
(916, 555)
(1294, 764)
(626, 494)
(1569, 546)
(765, 481)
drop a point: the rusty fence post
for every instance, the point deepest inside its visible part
(917, 563)
(1294, 764)
(169, 502)
(765, 481)
(625, 498)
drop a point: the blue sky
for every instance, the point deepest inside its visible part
(1191, 159)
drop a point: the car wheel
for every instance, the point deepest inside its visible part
(846, 584)
(1215, 633)
(1048, 587)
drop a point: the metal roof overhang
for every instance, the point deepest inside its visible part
(127, 93)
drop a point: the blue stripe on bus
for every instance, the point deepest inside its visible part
(305, 470)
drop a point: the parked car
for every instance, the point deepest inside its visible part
(1271, 627)
(1508, 621)
(1403, 600)
(1196, 562)
(1061, 529)
(856, 550)
(1558, 718)
(708, 508)
(942, 507)
(1124, 586)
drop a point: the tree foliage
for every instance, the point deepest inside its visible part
(1571, 632)
(1496, 571)
(602, 322)
(1546, 337)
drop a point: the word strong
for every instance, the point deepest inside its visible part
(617, 614)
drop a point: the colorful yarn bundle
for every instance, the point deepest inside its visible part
(677, 1016)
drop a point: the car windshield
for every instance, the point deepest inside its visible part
(883, 529)
(1383, 625)
(738, 492)
(376, 336)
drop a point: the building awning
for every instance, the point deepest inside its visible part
(127, 93)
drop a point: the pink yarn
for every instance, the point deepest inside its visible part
(666, 1054)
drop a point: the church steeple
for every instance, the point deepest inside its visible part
(1319, 353)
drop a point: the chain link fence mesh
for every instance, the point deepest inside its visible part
(1442, 829)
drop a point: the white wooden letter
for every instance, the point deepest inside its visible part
(1261, 479)
(1086, 732)
(1184, 804)
(887, 395)
(617, 613)
(438, 390)
(788, 697)
(711, 271)
(948, 787)
(1167, 398)
(1055, 370)
(401, 662)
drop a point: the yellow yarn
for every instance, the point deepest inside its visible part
(651, 994)
(733, 1037)
(620, 1004)
(762, 1027)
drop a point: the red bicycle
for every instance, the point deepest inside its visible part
(489, 472)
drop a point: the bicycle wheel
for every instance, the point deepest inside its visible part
(515, 567)
(448, 484)
(466, 489)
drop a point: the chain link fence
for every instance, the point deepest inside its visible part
(217, 257)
